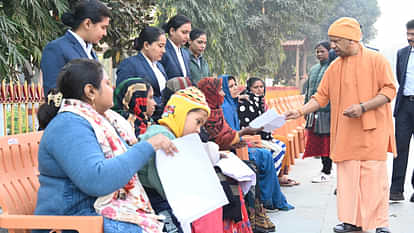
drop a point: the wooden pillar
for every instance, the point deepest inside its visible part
(297, 66)
(305, 60)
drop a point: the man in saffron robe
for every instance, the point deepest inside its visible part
(359, 86)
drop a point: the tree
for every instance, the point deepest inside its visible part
(271, 21)
(366, 12)
(244, 36)
(128, 18)
(25, 28)
(228, 45)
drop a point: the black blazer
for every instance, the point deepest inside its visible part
(56, 54)
(402, 61)
(172, 65)
(137, 66)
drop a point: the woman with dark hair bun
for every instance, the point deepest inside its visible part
(176, 60)
(89, 156)
(198, 65)
(88, 22)
(151, 46)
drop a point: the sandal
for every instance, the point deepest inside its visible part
(288, 182)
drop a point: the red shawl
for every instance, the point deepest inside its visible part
(218, 129)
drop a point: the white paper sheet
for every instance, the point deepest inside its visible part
(189, 180)
(270, 120)
(233, 167)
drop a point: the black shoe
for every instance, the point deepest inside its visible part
(396, 196)
(346, 227)
(412, 198)
(382, 230)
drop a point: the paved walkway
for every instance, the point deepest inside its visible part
(315, 204)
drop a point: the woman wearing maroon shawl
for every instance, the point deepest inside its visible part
(226, 137)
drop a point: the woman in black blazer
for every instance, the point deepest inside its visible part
(151, 46)
(88, 22)
(176, 60)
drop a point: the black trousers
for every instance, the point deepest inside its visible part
(326, 165)
(404, 129)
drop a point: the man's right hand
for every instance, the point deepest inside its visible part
(292, 114)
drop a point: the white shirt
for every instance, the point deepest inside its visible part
(180, 58)
(87, 47)
(409, 78)
(160, 77)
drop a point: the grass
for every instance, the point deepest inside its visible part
(16, 117)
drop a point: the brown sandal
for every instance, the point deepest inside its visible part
(288, 183)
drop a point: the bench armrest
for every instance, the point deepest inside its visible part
(83, 224)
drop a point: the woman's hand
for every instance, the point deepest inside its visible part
(250, 131)
(160, 141)
(243, 97)
(239, 145)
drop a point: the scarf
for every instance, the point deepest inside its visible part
(130, 101)
(230, 105)
(217, 128)
(250, 109)
(177, 108)
(173, 85)
(130, 203)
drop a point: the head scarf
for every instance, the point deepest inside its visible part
(130, 101)
(177, 108)
(346, 27)
(173, 85)
(230, 105)
(219, 131)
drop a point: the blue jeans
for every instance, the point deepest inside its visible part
(113, 226)
(109, 226)
(270, 193)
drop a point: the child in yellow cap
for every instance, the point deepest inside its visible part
(185, 112)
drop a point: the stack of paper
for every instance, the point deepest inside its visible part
(233, 167)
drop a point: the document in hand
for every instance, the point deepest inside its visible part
(189, 180)
(270, 120)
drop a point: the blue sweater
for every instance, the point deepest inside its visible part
(73, 170)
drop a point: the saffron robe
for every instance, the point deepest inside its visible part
(354, 80)
(362, 193)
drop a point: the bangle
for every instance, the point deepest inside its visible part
(300, 112)
(363, 108)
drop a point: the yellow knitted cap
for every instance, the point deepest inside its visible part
(177, 108)
(347, 28)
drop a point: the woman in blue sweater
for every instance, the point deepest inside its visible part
(89, 155)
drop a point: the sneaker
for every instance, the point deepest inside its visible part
(396, 196)
(321, 178)
(382, 230)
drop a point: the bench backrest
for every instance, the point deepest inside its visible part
(18, 172)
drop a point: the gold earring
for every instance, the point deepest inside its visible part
(93, 101)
